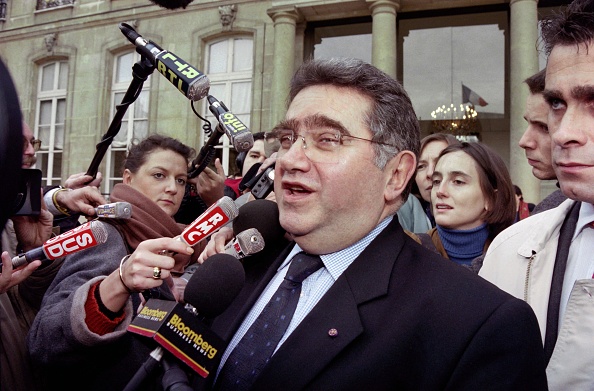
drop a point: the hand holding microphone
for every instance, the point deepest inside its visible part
(10, 277)
(150, 264)
(85, 236)
(180, 332)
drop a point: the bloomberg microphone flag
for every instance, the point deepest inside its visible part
(470, 96)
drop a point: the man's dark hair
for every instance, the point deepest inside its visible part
(572, 26)
(392, 119)
(536, 82)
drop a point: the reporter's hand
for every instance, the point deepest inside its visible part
(10, 277)
(216, 243)
(211, 184)
(77, 181)
(33, 231)
(137, 271)
(83, 200)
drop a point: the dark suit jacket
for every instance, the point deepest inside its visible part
(405, 319)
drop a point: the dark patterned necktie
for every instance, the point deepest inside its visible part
(256, 347)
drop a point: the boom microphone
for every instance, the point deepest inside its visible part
(187, 79)
(239, 134)
(209, 292)
(115, 210)
(84, 236)
(246, 243)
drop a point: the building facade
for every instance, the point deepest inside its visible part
(72, 67)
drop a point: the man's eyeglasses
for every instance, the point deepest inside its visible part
(320, 146)
(35, 143)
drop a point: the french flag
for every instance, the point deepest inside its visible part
(470, 96)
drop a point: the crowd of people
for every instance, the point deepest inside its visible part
(406, 263)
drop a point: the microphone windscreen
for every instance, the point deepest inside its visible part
(172, 4)
(263, 215)
(215, 284)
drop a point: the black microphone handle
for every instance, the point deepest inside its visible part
(29, 257)
(145, 369)
(174, 378)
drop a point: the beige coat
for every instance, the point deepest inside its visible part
(520, 261)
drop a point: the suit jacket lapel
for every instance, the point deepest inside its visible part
(335, 321)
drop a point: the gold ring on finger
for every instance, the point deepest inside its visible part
(157, 273)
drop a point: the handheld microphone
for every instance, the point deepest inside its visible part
(216, 216)
(114, 210)
(239, 134)
(245, 243)
(264, 216)
(84, 236)
(187, 79)
(212, 288)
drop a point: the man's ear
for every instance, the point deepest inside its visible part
(399, 171)
(127, 177)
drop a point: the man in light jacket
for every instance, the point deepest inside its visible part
(547, 259)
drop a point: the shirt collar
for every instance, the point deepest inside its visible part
(336, 263)
(585, 218)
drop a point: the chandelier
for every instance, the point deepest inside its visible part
(459, 121)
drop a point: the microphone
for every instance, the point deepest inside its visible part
(212, 288)
(84, 236)
(246, 243)
(239, 134)
(187, 79)
(114, 210)
(214, 285)
(263, 215)
(213, 218)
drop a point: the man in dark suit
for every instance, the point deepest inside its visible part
(382, 312)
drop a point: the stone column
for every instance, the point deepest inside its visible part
(383, 52)
(284, 60)
(523, 63)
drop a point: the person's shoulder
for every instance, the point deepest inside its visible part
(553, 200)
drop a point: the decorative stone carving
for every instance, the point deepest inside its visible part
(50, 41)
(227, 14)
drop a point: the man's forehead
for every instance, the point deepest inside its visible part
(567, 60)
(27, 130)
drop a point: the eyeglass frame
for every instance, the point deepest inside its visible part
(339, 131)
(35, 143)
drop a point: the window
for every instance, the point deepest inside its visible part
(343, 40)
(229, 68)
(135, 120)
(51, 112)
(448, 62)
(45, 4)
